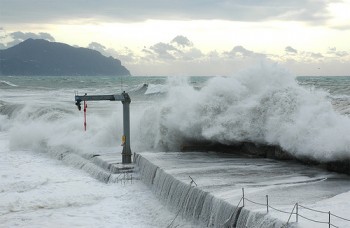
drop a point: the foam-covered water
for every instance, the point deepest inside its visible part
(264, 104)
(38, 191)
(306, 116)
(6, 83)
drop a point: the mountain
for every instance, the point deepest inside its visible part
(41, 57)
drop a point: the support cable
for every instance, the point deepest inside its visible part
(340, 217)
(177, 214)
(261, 204)
(312, 220)
(234, 212)
(310, 209)
(281, 210)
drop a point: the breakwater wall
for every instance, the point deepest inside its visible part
(104, 167)
(267, 151)
(194, 204)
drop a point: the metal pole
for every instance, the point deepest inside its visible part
(126, 153)
(125, 99)
(243, 196)
(297, 212)
(85, 115)
(267, 203)
(329, 219)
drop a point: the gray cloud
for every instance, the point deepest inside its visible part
(39, 11)
(316, 55)
(290, 50)
(26, 35)
(102, 49)
(240, 51)
(341, 53)
(342, 27)
(182, 41)
(96, 46)
(99, 47)
(333, 51)
(125, 55)
(178, 49)
(170, 58)
(192, 54)
(147, 51)
(18, 37)
(164, 50)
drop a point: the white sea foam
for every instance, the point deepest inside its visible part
(155, 89)
(36, 191)
(6, 83)
(263, 104)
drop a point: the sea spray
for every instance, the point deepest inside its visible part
(39, 127)
(209, 107)
(263, 105)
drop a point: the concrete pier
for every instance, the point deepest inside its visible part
(206, 187)
(224, 175)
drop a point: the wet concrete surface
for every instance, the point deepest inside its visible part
(224, 176)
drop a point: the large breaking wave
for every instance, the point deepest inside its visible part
(263, 104)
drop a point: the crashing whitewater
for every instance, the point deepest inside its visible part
(264, 105)
(261, 105)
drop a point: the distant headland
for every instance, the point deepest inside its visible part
(44, 58)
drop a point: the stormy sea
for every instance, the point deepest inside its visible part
(307, 117)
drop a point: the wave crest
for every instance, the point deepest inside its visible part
(262, 105)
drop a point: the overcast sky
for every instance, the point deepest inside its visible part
(191, 37)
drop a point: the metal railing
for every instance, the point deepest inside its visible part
(186, 199)
(296, 211)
